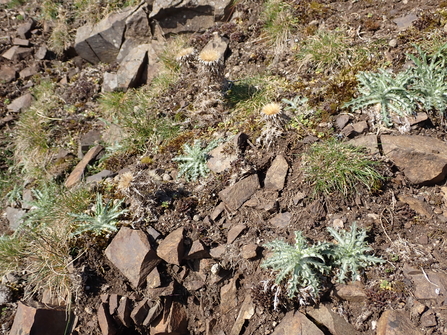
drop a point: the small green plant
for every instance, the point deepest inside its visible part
(430, 79)
(334, 166)
(350, 253)
(389, 92)
(193, 163)
(301, 265)
(103, 219)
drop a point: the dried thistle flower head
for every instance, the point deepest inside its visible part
(211, 59)
(185, 56)
(271, 110)
(125, 180)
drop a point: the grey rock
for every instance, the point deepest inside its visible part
(24, 30)
(131, 252)
(219, 159)
(396, 322)
(29, 71)
(172, 249)
(88, 140)
(38, 319)
(21, 42)
(7, 73)
(281, 220)
(130, 72)
(341, 121)
(276, 174)
(14, 217)
(20, 103)
(110, 82)
(10, 53)
(337, 325)
(422, 159)
(296, 320)
(41, 53)
(428, 319)
(102, 42)
(6, 295)
(97, 177)
(235, 195)
(405, 22)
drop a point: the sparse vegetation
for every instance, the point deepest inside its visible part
(336, 167)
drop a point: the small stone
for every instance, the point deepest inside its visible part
(153, 279)
(393, 43)
(228, 296)
(14, 217)
(428, 319)
(235, 195)
(20, 103)
(105, 321)
(7, 73)
(293, 321)
(76, 175)
(351, 292)
(197, 251)
(276, 174)
(123, 312)
(341, 120)
(281, 220)
(41, 53)
(140, 312)
(99, 176)
(21, 42)
(395, 322)
(217, 252)
(24, 30)
(249, 251)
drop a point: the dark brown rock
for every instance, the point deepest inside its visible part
(37, 319)
(428, 285)
(246, 311)
(419, 206)
(353, 292)
(139, 312)
(396, 323)
(296, 320)
(276, 174)
(153, 279)
(422, 159)
(88, 140)
(173, 321)
(228, 296)
(235, 196)
(198, 251)
(24, 30)
(131, 252)
(171, 249)
(322, 315)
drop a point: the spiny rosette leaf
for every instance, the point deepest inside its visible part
(103, 220)
(193, 163)
(300, 265)
(350, 253)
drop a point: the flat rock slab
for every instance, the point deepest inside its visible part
(14, 217)
(219, 160)
(38, 319)
(419, 206)
(396, 323)
(235, 195)
(131, 252)
(435, 288)
(172, 249)
(76, 175)
(173, 321)
(20, 103)
(296, 323)
(276, 174)
(422, 159)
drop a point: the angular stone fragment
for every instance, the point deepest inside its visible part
(228, 296)
(369, 142)
(419, 206)
(101, 42)
(97, 177)
(341, 120)
(21, 42)
(173, 320)
(249, 251)
(418, 118)
(130, 72)
(235, 195)
(246, 311)
(88, 140)
(405, 22)
(171, 249)
(38, 319)
(396, 323)
(153, 279)
(14, 217)
(131, 252)
(330, 320)
(24, 30)
(139, 312)
(20, 103)
(7, 74)
(124, 310)
(294, 321)
(422, 159)
(76, 175)
(29, 71)
(197, 251)
(105, 321)
(219, 160)
(41, 53)
(435, 288)
(113, 303)
(281, 220)
(276, 174)
(234, 232)
(10, 53)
